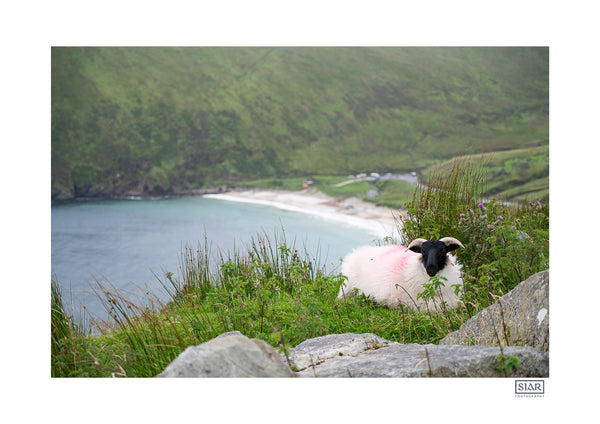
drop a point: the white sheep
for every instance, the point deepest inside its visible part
(394, 275)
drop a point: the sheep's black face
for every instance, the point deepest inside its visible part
(434, 255)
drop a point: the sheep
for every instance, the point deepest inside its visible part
(394, 275)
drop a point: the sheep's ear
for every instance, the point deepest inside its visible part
(415, 245)
(451, 243)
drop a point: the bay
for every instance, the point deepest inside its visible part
(130, 244)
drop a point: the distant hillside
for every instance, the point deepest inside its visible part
(159, 120)
(519, 174)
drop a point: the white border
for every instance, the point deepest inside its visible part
(30, 28)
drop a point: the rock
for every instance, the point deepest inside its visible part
(367, 355)
(228, 355)
(320, 349)
(87, 190)
(350, 355)
(400, 360)
(519, 318)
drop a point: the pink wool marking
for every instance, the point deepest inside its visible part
(402, 261)
(397, 257)
(388, 252)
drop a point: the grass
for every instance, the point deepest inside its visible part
(504, 243)
(273, 291)
(391, 193)
(512, 175)
(75, 352)
(170, 119)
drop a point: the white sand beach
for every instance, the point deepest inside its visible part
(379, 221)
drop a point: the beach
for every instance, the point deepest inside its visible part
(378, 220)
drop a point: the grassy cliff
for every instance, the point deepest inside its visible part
(158, 120)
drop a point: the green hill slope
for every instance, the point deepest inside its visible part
(518, 174)
(158, 120)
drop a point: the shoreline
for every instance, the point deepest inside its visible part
(62, 198)
(378, 220)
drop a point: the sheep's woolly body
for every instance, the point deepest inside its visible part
(394, 275)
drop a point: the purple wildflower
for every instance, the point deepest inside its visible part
(462, 215)
(480, 205)
(499, 217)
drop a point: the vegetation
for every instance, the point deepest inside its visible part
(391, 193)
(274, 292)
(504, 244)
(75, 352)
(515, 175)
(163, 120)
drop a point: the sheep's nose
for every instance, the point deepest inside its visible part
(431, 269)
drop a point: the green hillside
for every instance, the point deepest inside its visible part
(518, 174)
(159, 120)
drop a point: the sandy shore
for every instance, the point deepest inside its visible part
(377, 220)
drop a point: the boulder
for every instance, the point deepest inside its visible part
(519, 318)
(228, 355)
(367, 355)
(320, 349)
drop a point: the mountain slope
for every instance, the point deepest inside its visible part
(168, 119)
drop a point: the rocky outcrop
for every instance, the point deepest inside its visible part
(519, 318)
(367, 355)
(320, 349)
(350, 355)
(228, 355)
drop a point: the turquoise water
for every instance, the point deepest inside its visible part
(129, 243)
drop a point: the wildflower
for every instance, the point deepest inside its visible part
(499, 217)
(462, 215)
(480, 205)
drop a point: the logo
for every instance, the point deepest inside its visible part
(529, 388)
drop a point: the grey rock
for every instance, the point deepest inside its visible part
(413, 360)
(320, 349)
(519, 318)
(350, 355)
(228, 355)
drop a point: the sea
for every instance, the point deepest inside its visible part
(130, 245)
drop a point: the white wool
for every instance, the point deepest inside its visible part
(394, 275)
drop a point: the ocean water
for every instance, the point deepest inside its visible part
(127, 244)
